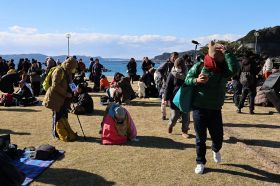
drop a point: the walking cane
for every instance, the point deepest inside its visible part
(79, 122)
(81, 126)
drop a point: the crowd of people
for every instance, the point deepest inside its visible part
(65, 88)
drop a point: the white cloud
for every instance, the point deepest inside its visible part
(28, 40)
(226, 37)
(23, 30)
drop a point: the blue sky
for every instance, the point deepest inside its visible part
(127, 28)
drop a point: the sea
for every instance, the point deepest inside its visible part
(120, 66)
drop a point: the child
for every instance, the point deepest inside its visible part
(104, 83)
(141, 88)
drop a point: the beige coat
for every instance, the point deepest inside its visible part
(57, 93)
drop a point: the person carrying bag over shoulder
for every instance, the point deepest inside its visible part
(208, 98)
(57, 99)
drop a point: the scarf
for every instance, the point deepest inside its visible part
(211, 65)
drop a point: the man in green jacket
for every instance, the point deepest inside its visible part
(209, 79)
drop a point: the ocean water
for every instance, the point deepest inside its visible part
(120, 66)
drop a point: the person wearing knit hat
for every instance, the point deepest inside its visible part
(119, 114)
(57, 99)
(209, 79)
(174, 81)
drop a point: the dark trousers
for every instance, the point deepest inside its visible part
(96, 80)
(131, 77)
(36, 87)
(237, 88)
(207, 119)
(251, 92)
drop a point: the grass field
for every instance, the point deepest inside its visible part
(158, 158)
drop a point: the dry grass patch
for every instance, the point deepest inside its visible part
(157, 159)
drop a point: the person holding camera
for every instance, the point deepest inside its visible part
(209, 80)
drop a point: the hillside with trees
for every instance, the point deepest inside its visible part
(268, 42)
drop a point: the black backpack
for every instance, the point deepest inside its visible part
(44, 152)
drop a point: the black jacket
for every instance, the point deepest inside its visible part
(173, 84)
(85, 101)
(131, 68)
(249, 69)
(147, 65)
(8, 81)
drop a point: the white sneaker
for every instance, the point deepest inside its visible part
(199, 169)
(217, 157)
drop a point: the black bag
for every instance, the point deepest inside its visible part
(9, 174)
(274, 98)
(44, 152)
(104, 99)
(136, 78)
(5, 141)
(272, 82)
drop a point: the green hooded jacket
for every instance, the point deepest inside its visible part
(211, 95)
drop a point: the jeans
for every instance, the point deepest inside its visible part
(251, 92)
(207, 119)
(237, 88)
(175, 115)
(163, 107)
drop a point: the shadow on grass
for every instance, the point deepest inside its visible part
(159, 142)
(7, 131)
(144, 104)
(147, 142)
(94, 94)
(89, 139)
(254, 173)
(254, 142)
(68, 176)
(19, 109)
(252, 125)
(98, 112)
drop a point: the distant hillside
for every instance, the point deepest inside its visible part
(42, 57)
(165, 56)
(268, 40)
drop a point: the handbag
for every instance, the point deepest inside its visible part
(183, 98)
